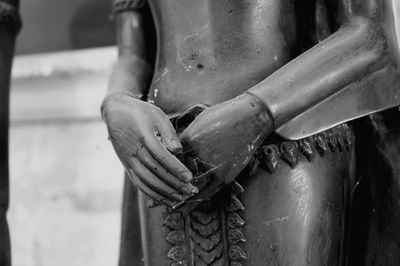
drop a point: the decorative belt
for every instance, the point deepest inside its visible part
(272, 152)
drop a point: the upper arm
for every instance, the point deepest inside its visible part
(136, 46)
(135, 29)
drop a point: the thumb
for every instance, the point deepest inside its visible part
(168, 137)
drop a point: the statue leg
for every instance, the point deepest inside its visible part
(131, 246)
(292, 210)
(298, 204)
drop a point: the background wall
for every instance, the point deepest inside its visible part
(65, 181)
(53, 25)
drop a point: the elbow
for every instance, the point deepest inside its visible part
(370, 45)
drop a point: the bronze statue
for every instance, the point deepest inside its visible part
(239, 119)
(10, 23)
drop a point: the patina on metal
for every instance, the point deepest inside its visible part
(239, 125)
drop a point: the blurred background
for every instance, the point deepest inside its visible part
(65, 181)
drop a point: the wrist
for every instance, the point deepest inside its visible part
(115, 99)
(258, 109)
(131, 75)
(125, 94)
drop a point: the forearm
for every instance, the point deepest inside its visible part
(132, 72)
(347, 56)
(130, 75)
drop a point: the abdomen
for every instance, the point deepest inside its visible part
(212, 50)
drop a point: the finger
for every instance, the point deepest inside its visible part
(165, 175)
(149, 192)
(168, 160)
(185, 139)
(168, 136)
(153, 182)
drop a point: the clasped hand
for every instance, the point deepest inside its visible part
(145, 143)
(223, 137)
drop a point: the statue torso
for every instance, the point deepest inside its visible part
(212, 50)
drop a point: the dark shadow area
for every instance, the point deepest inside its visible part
(91, 25)
(375, 230)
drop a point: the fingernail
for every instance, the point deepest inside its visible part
(175, 146)
(187, 176)
(190, 189)
(152, 203)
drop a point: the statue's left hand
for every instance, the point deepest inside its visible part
(225, 137)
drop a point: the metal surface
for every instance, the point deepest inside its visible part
(378, 91)
(293, 210)
(215, 50)
(294, 206)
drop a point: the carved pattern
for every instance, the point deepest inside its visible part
(306, 148)
(334, 140)
(270, 157)
(235, 222)
(289, 152)
(9, 15)
(125, 5)
(177, 238)
(207, 236)
(211, 235)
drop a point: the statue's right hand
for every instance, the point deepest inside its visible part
(145, 142)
